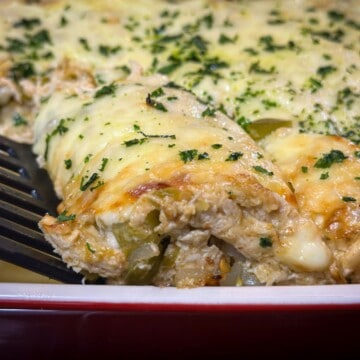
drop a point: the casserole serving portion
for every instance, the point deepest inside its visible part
(158, 187)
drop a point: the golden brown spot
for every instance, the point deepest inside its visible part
(143, 188)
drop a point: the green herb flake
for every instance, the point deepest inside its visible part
(314, 85)
(84, 43)
(188, 155)
(158, 92)
(18, 120)
(234, 156)
(106, 50)
(291, 186)
(224, 39)
(208, 112)
(216, 146)
(256, 68)
(168, 69)
(155, 104)
(104, 162)
(262, 170)
(84, 184)
(324, 176)
(348, 199)
(265, 242)
(64, 217)
(87, 158)
(88, 246)
(324, 71)
(106, 90)
(68, 164)
(133, 142)
(357, 154)
(335, 15)
(334, 156)
(27, 23)
(304, 169)
(63, 21)
(160, 136)
(39, 39)
(204, 156)
(22, 70)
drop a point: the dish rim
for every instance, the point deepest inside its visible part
(206, 299)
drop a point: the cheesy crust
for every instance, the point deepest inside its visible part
(324, 172)
(142, 189)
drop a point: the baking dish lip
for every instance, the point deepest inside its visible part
(149, 298)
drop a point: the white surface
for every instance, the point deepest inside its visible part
(285, 295)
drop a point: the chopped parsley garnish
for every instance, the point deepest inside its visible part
(324, 71)
(324, 176)
(335, 15)
(262, 170)
(314, 85)
(188, 155)
(158, 92)
(267, 42)
(155, 104)
(256, 68)
(60, 129)
(133, 142)
(168, 69)
(357, 154)
(348, 199)
(84, 44)
(243, 122)
(204, 156)
(38, 39)
(124, 68)
(304, 169)
(88, 246)
(224, 39)
(106, 50)
(64, 217)
(18, 120)
(208, 112)
(106, 90)
(22, 70)
(216, 146)
(104, 162)
(87, 158)
(68, 164)
(268, 104)
(265, 242)
(63, 21)
(163, 136)
(234, 156)
(84, 184)
(27, 23)
(334, 156)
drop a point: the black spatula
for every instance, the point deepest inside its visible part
(26, 194)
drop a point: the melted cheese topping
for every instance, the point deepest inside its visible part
(252, 59)
(324, 173)
(120, 151)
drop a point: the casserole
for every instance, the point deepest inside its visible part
(42, 59)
